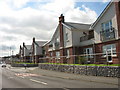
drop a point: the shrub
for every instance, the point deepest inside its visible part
(81, 60)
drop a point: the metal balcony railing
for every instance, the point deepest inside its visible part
(86, 37)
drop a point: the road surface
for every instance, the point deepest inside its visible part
(20, 79)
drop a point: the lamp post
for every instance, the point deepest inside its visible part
(12, 55)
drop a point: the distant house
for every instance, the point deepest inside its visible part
(21, 53)
(26, 53)
(37, 50)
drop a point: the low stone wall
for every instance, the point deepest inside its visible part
(22, 65)
(106, 71)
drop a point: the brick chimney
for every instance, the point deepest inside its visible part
(62, 51)
(61, 20)
(20, 50)
(23, 51)
(20, 47)
(23, 44)
(33, 39)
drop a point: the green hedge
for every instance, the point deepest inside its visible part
(23, 63)
(86, 64)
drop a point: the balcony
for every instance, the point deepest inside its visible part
(86, 37)
(108, 34)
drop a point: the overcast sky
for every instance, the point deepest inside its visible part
(21, 20)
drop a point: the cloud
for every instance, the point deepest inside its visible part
(7, 47)
(81, 15)
(7, 50)
(20, 20)
(104, 1)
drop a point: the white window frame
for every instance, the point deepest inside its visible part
(103, 25)
(109, 51)
(90, 52)
(67, 53)
(57, 54)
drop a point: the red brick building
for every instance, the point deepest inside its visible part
(100, 41)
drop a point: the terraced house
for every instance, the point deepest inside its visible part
(25, 53)
(107, 34)
(21, 53)
(66, 41)
(100, 41)
(37, 50)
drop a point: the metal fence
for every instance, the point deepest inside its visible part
(98, 58)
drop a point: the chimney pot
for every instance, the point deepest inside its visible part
(61, 18)
(23, 44)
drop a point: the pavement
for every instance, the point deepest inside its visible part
(63, 75)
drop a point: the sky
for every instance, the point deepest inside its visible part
(21, 20)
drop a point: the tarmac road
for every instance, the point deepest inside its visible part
(23, 79)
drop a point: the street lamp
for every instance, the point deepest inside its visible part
(12, 54)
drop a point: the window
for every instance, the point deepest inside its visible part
(57, 54)
(68, 53)
(66, 36)
(106, 25)
(107, 32)
(88, 51)
(109, 49)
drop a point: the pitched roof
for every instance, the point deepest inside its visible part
(28, 46)
(40, 43)
(70, 26)
(103, 12)
(77, 26)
